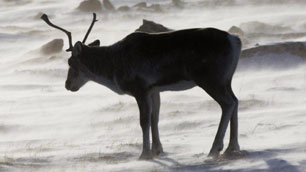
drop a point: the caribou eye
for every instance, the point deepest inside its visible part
(73, 64)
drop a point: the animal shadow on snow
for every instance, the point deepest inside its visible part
(108, 158)
(269, 156)
(8, 164)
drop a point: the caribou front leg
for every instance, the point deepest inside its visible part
(156, 144)
(145, 109)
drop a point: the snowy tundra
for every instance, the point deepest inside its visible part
(43, 127)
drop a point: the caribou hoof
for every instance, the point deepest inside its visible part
(156, 151)
(215, 152)
(214, 155)
(146, 156)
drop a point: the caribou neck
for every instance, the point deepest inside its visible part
(99, 63)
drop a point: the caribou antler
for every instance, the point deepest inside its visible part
(91, 25)
(46, 19)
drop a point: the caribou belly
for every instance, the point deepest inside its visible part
(177, 86)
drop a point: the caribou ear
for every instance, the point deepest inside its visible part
(96, 43)
(77, 49)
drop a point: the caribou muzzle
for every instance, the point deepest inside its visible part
(70, 87)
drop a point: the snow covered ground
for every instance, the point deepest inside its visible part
(43, 127)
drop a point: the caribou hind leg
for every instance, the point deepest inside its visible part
(233, 147)
(222, 93)
(156, 144)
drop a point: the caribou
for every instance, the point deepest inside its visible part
(144, 64)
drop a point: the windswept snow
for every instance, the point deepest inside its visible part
(43, 127)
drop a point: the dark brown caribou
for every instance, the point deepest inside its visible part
(144, 64)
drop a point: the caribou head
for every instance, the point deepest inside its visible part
(76, 77)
